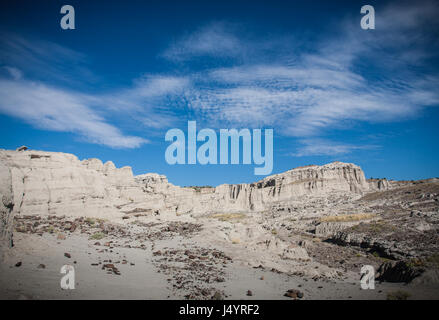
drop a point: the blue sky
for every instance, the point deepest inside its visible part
(130, 71)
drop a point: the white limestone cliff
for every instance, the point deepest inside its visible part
(59, 183)
(259, 196)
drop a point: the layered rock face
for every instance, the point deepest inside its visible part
(378, 184)
(259, 196)
(59, 183)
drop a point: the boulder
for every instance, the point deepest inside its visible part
(399, 271)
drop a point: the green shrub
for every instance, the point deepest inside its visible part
(51, 229)
(97, 236)
(90, 221)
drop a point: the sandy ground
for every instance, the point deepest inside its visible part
(139, 277)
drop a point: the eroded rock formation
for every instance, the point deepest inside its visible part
(59, 183)
(258, 196)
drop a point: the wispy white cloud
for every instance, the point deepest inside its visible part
(53, 108)
(148, 93)
(284, 76)
(216, 40)
(45, 60)
(305, 100)
(159, 85)
(159, 121)
(39, 95)
(379, 76)
(321, 147)
(58, 110)
(15, 73)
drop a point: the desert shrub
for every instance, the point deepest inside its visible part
(348, 217)
(97, 236)
(90, 221)
(229, 216)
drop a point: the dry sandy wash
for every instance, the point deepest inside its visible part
(301, 234)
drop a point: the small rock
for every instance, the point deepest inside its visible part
(61, 236)
(67, 255)
(41, 266)
(73, 227)
(205, 292)
(294, 294)
(18, 264)
(217, 296)
(249, 293)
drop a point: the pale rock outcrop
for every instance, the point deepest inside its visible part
(378, 184)
(328, 229)
(59, 183)
(6, 207)
(259, 196)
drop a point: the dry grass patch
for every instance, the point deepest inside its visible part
(398, 295)
(229, 216)
(235, 241)
(348, 217)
